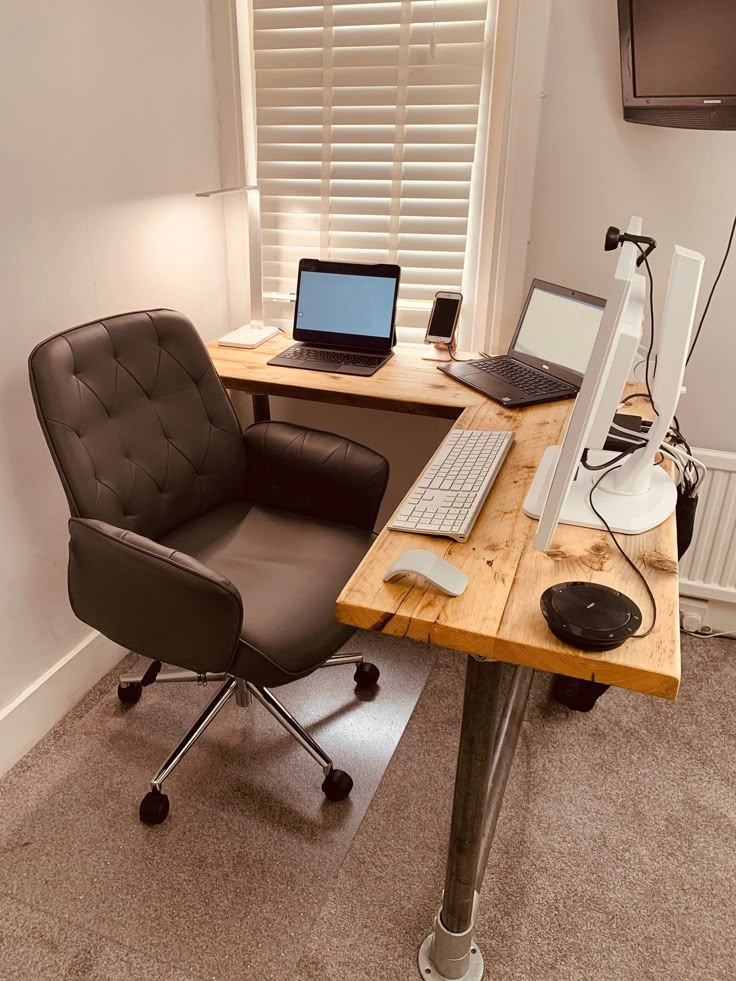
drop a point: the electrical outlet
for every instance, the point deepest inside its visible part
(691, 622)
(693, 614)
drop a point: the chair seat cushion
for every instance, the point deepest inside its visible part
(289, 570)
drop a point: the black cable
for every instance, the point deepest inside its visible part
(676, 437)
(712, 291)
(635, 395)
(675, 434)
(633, 370)
(633, 565)
(651, 325)
(691, 475)
(607, 464)
(461, 360)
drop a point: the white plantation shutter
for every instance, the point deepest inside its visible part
(366, 119)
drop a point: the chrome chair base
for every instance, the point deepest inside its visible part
(161, 677)
(336, 785)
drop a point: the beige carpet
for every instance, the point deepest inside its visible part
(614, 859)
(615, 854)
(228, 887)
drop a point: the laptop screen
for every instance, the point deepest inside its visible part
(559, 326)
(346, 304)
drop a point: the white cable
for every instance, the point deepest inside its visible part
(683, 455)
(672, 452)
(629, 433)
(677, 454)
(704, 636)
(626, 436)
(689, 471)
(677, 462)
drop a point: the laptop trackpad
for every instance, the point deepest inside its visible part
(500, 388)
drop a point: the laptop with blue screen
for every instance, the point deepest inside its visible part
(344, 317)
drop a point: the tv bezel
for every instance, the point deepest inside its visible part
(708, 106)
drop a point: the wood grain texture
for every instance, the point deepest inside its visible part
(403, 384)
(650, 664)
(498, 615)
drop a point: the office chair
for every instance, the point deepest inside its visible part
(218, 551)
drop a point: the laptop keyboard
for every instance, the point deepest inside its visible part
(522, 376)
(301, 353)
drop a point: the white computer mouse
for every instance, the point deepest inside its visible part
(439, 572)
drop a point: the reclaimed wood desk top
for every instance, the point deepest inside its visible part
(406, 383)
(498, 616)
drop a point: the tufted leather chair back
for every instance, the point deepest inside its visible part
(138, 423)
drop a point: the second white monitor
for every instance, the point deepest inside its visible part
(561, 487)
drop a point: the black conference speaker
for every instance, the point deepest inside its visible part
(589, 616)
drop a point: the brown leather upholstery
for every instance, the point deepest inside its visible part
(314, 473)
(141, 429)
(152, 598)
(289, 571)
(182, 526)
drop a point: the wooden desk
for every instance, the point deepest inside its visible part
(498, 616)
(403, 384)
(497, 620)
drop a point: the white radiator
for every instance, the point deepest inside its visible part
(708, 569)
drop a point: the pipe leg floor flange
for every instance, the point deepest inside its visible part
(429, 972)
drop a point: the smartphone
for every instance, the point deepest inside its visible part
(444, 317)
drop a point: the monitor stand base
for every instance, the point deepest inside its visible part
(629, 514)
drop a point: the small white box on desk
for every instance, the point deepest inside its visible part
(248, 336)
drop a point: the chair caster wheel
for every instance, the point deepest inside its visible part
(130, 694)
(366, 676)
(337, 785)
(154, 807)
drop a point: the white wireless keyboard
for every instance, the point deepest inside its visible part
(453, 487)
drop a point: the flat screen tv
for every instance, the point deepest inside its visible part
(678, 62)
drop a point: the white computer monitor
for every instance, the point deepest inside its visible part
(636, 495)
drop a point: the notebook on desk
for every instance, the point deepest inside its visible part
(344, 317)
(548, 354)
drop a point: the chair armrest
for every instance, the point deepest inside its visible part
(313, 473)
(156, 601)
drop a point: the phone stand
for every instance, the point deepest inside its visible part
(437, 352)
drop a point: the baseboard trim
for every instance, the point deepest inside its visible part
(30, 716)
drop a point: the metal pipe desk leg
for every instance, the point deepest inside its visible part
(449, 952)
(261, 408)
(507, 736)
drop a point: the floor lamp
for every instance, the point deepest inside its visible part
(255, 271)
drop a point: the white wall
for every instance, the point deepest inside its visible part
(108, 129)
(595, 170)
